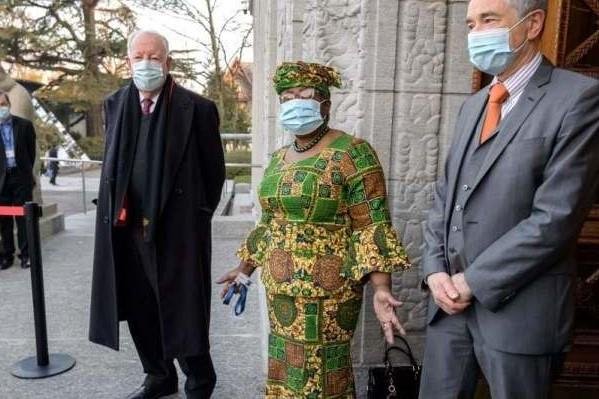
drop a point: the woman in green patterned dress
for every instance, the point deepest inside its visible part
(325, 231)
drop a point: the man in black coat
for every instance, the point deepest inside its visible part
(161, 182)
(17, 156)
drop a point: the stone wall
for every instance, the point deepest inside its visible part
(405, 73)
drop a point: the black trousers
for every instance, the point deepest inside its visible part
(53, 173)
(144, 325)
(17, 190)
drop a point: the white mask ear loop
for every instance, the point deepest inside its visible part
(326, 118)
(518, 23)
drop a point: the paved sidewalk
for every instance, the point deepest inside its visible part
(237, 343)
(67, 194)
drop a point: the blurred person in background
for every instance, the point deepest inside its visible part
(53, 166)
(17, 156)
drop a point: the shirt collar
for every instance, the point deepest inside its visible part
(518, 81)
(7, 121)
(154, 98)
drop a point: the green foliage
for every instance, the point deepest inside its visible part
(238, 157)
(46, 134)
(81, 46)
(93, 147)
(233, 118)
(243, 179)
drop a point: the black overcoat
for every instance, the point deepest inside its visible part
(193, 177)
(24, 141)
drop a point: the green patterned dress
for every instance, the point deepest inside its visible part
(325, 225)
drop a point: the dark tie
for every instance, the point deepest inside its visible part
(146, 103)
(497, 96)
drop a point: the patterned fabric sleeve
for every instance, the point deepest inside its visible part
(253, 248)
(374, 243)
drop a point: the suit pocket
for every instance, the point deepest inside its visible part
(528, 140)
(524, 161)
(524, 148)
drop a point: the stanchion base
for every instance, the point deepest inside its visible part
(29, 369)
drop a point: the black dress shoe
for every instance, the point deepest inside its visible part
(25, 263)
(6, 263)
(155, 390)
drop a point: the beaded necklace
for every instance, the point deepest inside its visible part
(323, 131)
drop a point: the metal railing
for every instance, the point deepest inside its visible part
(239, 137)
(247, 137)
(236, 136)
(81, 163)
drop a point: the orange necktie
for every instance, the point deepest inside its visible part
(497, 96)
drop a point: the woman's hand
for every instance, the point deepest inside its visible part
(229, 277)
(384, 308)
(384, 305)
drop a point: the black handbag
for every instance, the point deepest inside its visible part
(397, 382)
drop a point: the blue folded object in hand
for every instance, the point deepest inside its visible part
(240, 304)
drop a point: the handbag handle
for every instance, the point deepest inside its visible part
(407, 351)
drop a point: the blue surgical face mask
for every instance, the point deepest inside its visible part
(300, 116)
(490, 50)
(4, 112)
(148, 75)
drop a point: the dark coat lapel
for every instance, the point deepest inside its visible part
(123, 146)
(471, 119)
(2, 148)
(531, 96)
(3, 157)
(16, 135)
(179, 128)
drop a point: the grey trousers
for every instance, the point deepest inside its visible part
(455, 352)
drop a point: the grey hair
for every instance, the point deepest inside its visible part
(135, 34)
(5, 95)
(525, 6)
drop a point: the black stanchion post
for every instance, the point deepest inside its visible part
(37, 282)
(43, 364)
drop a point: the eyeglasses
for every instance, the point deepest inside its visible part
(305, 94)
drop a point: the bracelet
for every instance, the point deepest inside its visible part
(251, 265)
(244, 279)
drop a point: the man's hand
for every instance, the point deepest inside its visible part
(445, 293)
(459, 282)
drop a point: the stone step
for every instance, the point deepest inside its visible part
(51, 223)
(232, 227)
(49, 209)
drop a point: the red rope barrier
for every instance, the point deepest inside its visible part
(12, 211)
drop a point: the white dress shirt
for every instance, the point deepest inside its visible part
(154, 101)
(516, 83)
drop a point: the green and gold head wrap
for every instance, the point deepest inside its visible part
(302, 74)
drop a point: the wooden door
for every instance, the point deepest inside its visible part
(571, 41)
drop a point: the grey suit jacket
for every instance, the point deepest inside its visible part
(524, 212)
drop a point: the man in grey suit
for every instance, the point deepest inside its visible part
(519, 180)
